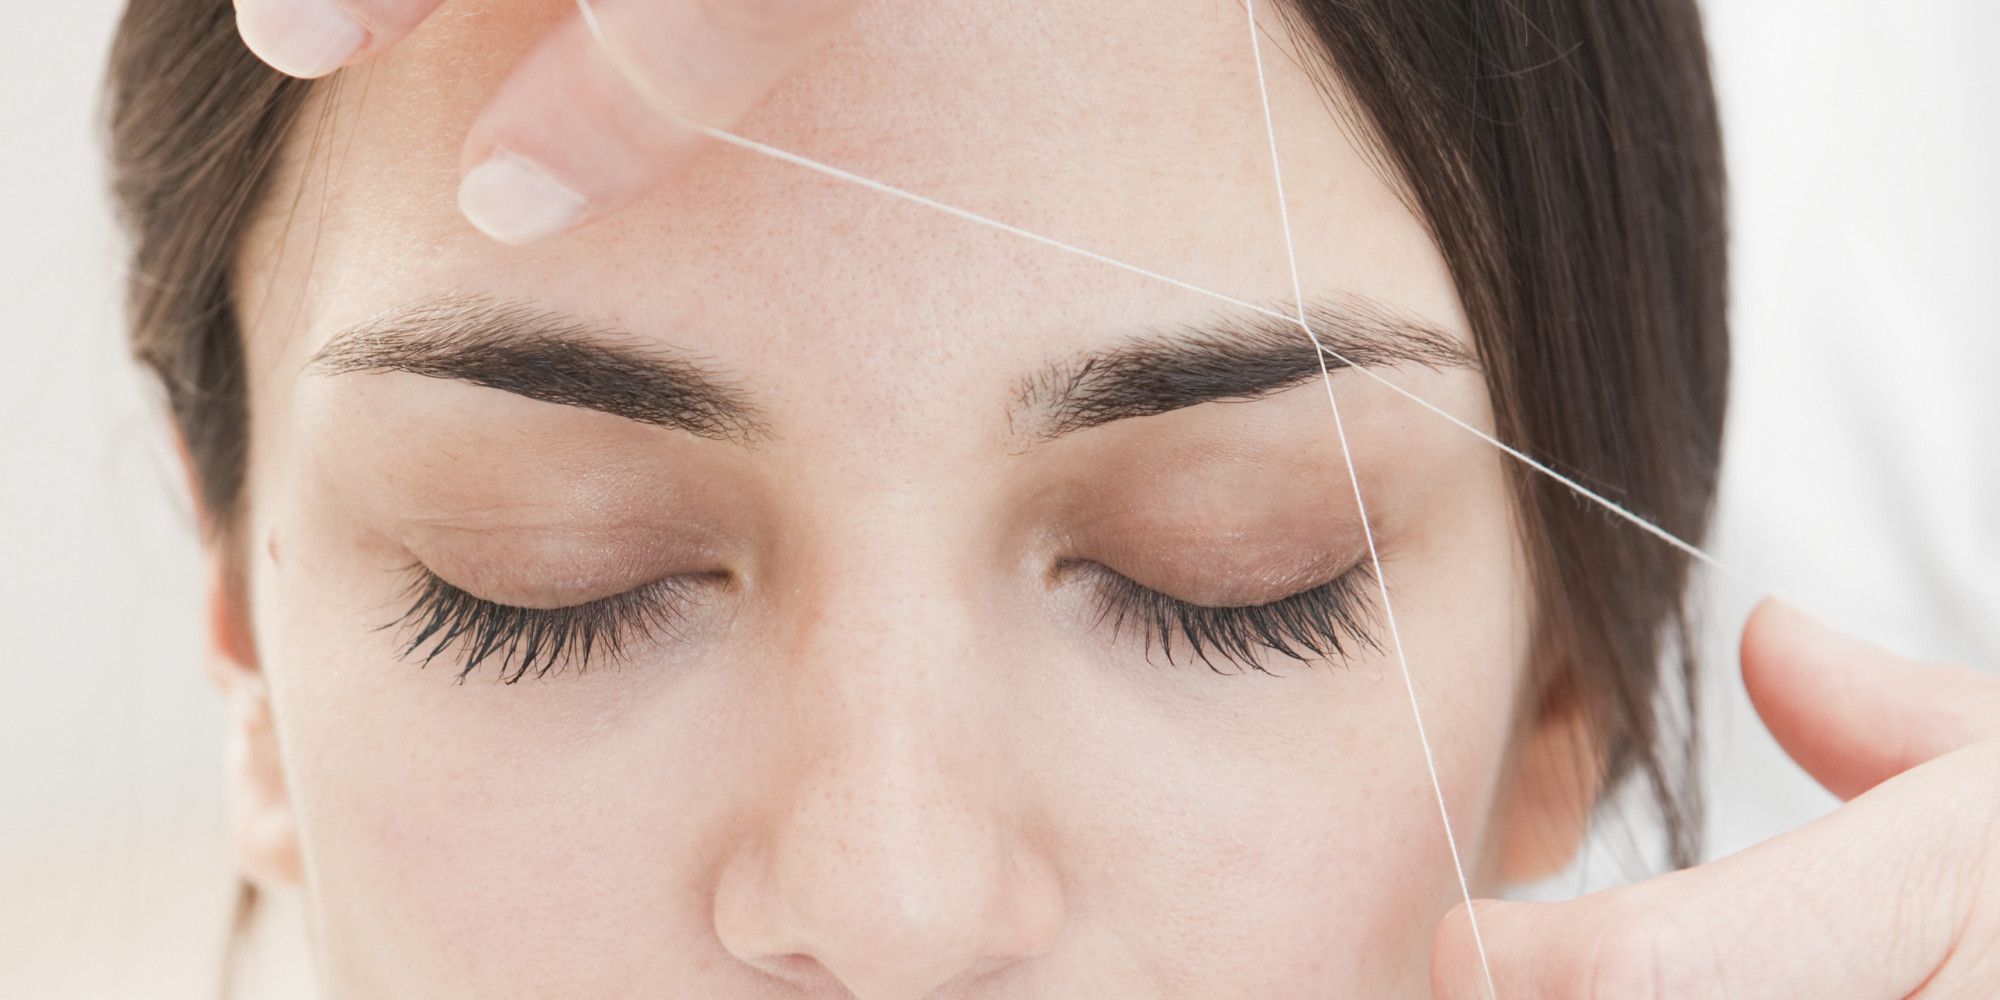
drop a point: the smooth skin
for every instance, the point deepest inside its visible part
(1895, 894)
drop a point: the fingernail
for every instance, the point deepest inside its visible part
(515, 201)
(304, 38)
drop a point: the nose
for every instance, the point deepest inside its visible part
(894, 864)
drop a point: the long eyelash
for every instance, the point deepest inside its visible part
(535, 641)
(1329, 620)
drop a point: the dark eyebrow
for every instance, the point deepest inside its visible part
(545, 356)
(1235, 356)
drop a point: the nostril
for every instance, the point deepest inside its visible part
(884, 925)
(800, 970)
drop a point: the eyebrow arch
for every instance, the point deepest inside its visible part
(1236, 356)
(549, 357)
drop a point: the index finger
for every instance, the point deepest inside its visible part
(607, 108)
(311, 38)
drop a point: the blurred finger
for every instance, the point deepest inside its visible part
(311, 38)
(1854, 715)
(578, 131)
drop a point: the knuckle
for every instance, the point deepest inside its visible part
(1637, 953)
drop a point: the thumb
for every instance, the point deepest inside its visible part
(1854, 715)
(609, 106)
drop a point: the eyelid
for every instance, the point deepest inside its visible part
(573, 559)
(535, 641)
(1225, 558)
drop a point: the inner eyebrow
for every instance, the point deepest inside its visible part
(1235, 356)
(546, 356)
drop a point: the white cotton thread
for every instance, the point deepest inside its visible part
(639, 84)
(1361, 506)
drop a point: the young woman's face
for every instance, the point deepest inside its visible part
(893, 537)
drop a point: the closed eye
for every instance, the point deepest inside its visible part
(1333, 619)
(444, 619)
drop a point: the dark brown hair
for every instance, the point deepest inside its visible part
(1564, 153)
(1567, 157)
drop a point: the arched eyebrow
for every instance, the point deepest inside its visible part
(1233, 356)
(547, 356)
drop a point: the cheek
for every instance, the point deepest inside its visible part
(480, 851)
(479, 838)
(1278, 874)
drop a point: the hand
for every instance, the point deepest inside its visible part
(1895, 894)
(568, 138)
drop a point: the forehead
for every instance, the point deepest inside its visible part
(1132, 128)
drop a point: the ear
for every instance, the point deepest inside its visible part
(1546, 803)
(263, 831)
(262, 828)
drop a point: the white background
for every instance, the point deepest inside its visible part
(1863, 478)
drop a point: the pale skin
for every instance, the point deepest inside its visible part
(892, 754)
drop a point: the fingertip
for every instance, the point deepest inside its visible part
(1788, 655)
(1800, 689)
(1851, 713)
(1787, 652)
(1766, 639)
(1458, 970)
(1773, 625)
(301, 38)
(565, 139)
(516, 201)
